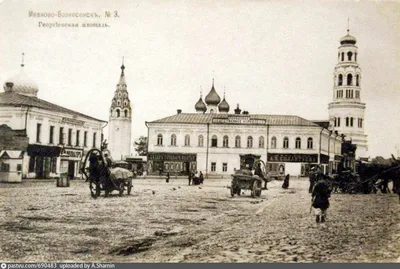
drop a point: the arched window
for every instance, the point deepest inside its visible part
(173, 140)
(250, 142)
(126, 113)
(298, 143)
(237, 142)
(261, 142)
(349, 55)
(159, 140)
(347, 121)
(273, 142)
(285, 142)
(201, 141)
(357, 80)
(340, 80)
(351, 122)
(211, 111)
(187, 140)
(225, 141)
(338, 122)
(118, 113)
(214, 141)
(309, 143)
(355, 57)
(361, 123)
(349, 79)
(342, 56)
(334, 122)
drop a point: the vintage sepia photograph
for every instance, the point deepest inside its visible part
(172, 131)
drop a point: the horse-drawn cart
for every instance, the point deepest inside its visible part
(102, 177)
(243, 180)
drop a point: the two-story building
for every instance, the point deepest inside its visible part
(216, 142)
(55, 133)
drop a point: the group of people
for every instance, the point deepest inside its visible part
(320, 193)
(193, 178)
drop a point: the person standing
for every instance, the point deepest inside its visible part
(259, 172)
(190, 177)
(167, 178)
(201, 177)
(285, 184)
(320, 199)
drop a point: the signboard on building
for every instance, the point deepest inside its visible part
(293, 158)
(324, 158)
(72, 154)
(73, 121)
(172, 157)
(239, 120)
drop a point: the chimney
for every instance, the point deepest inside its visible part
(179, 111)
(8, 87)
(237, 110)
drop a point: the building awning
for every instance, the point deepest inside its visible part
(43, 151)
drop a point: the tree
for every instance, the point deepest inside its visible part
(141, 145)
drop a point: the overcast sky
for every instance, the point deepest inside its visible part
(273, 57)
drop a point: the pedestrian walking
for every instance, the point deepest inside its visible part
(201, 177)
(167, 178)
(320, 199)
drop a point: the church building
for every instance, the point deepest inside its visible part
(347, 111)
(120, 121)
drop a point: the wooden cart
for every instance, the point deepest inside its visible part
(242, 181)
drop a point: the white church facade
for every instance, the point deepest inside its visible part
(120, 121)
(347, 111)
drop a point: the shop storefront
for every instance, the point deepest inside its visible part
(73, 157)
(43, 160)
(174, 163)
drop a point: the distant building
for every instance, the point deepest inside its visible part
(52, 130)
(120, 122)
(346, 111)
(217, 142)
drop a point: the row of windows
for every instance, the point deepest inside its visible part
(341, 56)
(61, 136)
(349, 80)
(349, 122)
(118, 113)
(214, 167)
(225, 141)
(349, 94)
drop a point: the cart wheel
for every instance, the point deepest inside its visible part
(129, 188)
(256, 190)
(121, 188)
(232, 191)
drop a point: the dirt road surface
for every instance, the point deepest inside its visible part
(174, 222)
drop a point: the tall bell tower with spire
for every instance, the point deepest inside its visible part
(346, 111)
(120, 121)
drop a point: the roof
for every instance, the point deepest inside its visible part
(197, 118)
(12, 154)
(322, 123)
(15, 99)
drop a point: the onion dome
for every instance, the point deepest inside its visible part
(348, 39)
(223, 106)
(200, 106)
(23, 84)
(212, 97)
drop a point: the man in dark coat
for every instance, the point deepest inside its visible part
(320, 199)
(285, 184)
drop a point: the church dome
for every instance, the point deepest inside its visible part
(23, 84)
(212, 97)
(200, 106)
(223, 106)
(348, 39)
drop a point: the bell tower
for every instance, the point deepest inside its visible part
(120, 121)
(346, 111)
